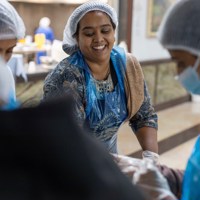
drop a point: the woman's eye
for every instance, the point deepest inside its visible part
(106, 29)
(105, 32)
(89, 34)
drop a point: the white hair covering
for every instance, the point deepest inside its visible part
(45, 22)
(11, 24)
(180, 28)
(69, 42)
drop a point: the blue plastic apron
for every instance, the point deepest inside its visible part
(105, 113)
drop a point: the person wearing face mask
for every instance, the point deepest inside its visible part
(11, 29)
(44, 27)
(179, 33)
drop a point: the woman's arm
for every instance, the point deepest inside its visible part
(144, 124)
(147, 138)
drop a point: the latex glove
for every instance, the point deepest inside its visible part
(128, 165)
(151, 155)
(149, 179)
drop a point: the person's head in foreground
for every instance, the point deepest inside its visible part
(91, 28)
(11, 29)
(179, 33)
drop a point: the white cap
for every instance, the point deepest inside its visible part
(11, 24)
(45, 22)
(180, 28)
(69, 42)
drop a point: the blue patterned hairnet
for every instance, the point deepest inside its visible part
(11, 24)
(69, 42)
(180, 28)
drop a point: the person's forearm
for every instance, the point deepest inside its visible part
(147, 138)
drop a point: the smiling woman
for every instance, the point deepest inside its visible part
(107, 84)
(95, 36)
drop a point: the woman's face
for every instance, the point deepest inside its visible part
(184, 59)
(96, 37)
(6, 48)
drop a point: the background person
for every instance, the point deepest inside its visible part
(11, 29)
(44, 27)
(107, 84)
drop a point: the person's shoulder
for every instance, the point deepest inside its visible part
(63, 71)
(66, 65)
(131, 58)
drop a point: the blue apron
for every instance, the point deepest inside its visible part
(105, 111)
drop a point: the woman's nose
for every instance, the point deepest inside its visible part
(98, 37)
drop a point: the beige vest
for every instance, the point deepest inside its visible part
(134, 85)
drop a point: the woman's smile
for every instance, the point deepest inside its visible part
(99, 48)
(96, 37)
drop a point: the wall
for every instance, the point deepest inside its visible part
(32, 12)
(58, 13)
(142, 46)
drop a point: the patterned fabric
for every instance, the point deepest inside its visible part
(68, 78)
(146, 115)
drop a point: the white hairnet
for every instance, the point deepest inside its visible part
(11, 24)
(180, 28)
(69, 42)
(45, 22)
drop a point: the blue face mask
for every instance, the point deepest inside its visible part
(190, 79)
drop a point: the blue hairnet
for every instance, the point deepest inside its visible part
(180, 28)
(11, 24)
(69, 42)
